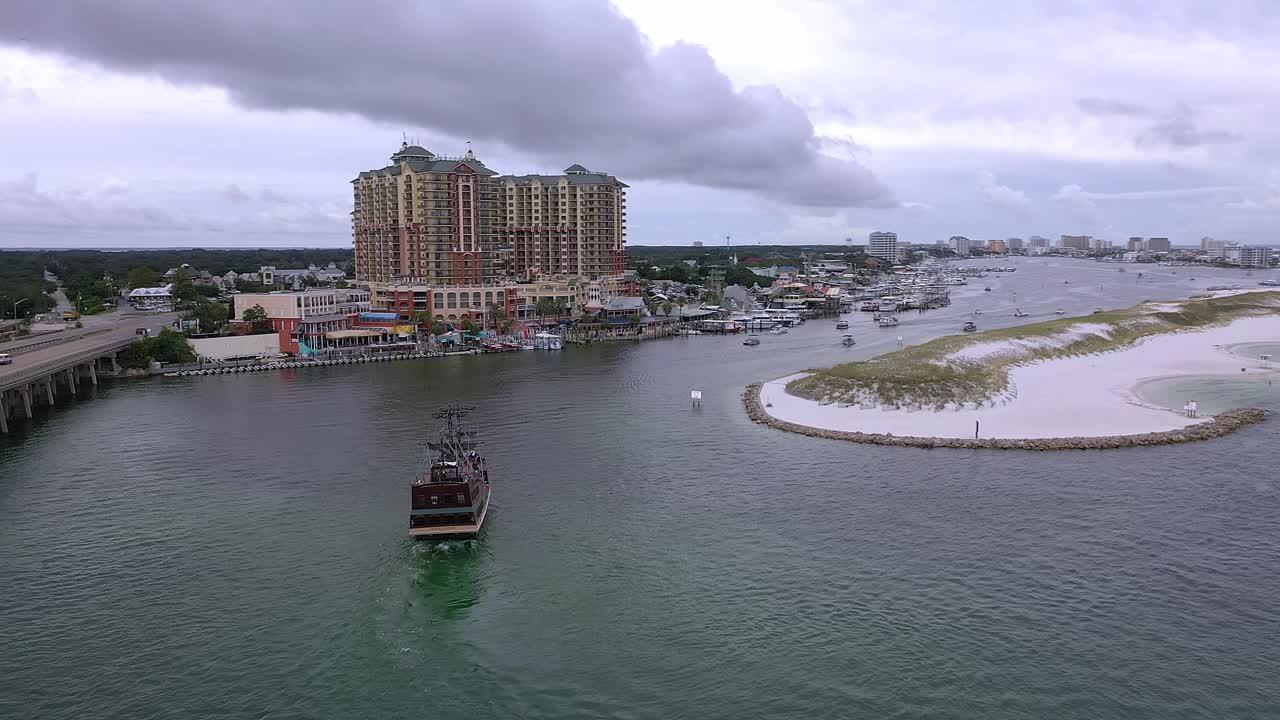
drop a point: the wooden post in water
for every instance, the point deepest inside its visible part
(975, 429)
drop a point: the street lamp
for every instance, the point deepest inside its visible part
(15, 307)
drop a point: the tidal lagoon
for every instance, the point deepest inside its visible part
(234, 547)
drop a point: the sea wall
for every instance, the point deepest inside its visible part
(1220, 425)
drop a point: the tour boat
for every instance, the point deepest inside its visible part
(848, 341)
(969, 327)
(842, 325)
(450, 494)
(751, 340)
(888, 321)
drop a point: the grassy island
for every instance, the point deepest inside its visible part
(954, 371)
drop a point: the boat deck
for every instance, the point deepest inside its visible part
(446, 530)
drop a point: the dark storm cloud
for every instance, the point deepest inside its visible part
(1176, 129)
(564, 80)
(1180, 131)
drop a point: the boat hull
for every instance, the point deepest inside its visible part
(455, 532)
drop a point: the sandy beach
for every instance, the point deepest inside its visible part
(1079, 396)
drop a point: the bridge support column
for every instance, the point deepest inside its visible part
(115, 366)
(71, 380)
(93, 374)
(48, 389)
(25, 391)
(4, 413)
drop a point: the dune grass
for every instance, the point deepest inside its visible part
(929, 376)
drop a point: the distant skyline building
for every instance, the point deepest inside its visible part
(1039, 242)
(1135, 244)
(1157, 244)
(997, 246)
(883, 245)
(1253, 255)
(961, 245)
(1076, 242)
(1214, 249)
(1014, 243)
(697, 243)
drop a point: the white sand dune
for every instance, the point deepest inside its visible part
(1086, 396)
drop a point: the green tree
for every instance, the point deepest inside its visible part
(249, 285)
(341, 284)
(666, 308)
(468, 326)
(212, 316)
(184, 290)
(497, 316)
(439, 328)
(167, 347)
(547, 307)
(143, 276)
(255, 314)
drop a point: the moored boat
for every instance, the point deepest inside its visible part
(450, 494)
(842, 325)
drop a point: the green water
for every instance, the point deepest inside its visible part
(234, 547)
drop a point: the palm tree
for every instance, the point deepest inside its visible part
(497, 316)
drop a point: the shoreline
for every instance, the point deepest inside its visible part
(1222, 424)
(1066, 402)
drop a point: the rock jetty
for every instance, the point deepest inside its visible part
(1220, 425)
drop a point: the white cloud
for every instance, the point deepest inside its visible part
(1001, 195)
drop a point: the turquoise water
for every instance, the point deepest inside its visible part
(1214, 394)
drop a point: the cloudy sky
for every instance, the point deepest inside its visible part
(183, 122)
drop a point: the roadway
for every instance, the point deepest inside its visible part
(34, 363)
(93, 324)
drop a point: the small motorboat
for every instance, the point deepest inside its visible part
(1066, 282)
(1059, 311)
(779, 331)
(842, 325)
(978, 311)
(1097, 310)
(751, 340)
(969, 327)
(848, 341)
(986, 289)
(888, 321)
(1019, 313)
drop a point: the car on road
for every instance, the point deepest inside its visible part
(142, 331)
(6, 359)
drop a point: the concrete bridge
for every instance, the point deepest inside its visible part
(42, 373)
